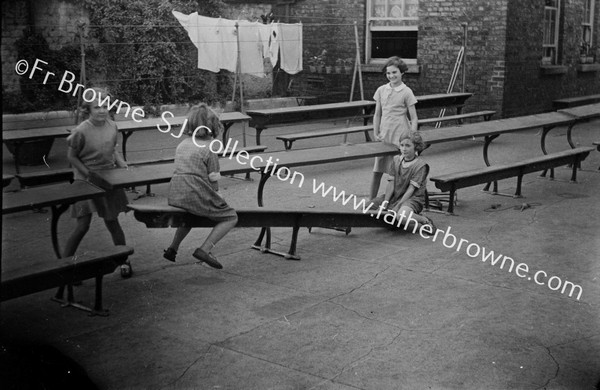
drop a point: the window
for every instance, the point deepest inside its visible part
(587, 26)
(392, 30)
(551, 18)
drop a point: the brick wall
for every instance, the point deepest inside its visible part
(527, 89)
(440, 39)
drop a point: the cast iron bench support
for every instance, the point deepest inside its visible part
(453, 181)
(59, 272)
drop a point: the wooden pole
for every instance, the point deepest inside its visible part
(81, 28)
(464, 59)
(354, 72)
(238, 71)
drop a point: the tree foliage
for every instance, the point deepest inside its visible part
(145, 57)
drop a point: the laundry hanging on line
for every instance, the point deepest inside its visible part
(217, 43)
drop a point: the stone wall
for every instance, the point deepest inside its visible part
(56, 20)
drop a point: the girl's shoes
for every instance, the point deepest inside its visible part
(207, 258)
(126, 270)
(170, 254)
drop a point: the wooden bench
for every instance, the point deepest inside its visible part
(50, 273)
(248, 149)
(289, 139)
(127, 128)
(165, 216)
(486, 115)
(267, 118)
(453, 181)
(6, 179)
(38, 178)
(17, 140)
(575, 101)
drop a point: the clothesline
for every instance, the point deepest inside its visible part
(162, 25)
(140, 43)
(29, 83)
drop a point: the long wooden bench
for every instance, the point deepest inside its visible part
(288, 139)
(453, 181)
(165, 216)
(45, 274)
(575, 101)
(248, 149)
(278, 117)
(38, 178)
(486, 115)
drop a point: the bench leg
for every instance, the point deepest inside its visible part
(574, 172)
(486, 145)
(287, 144)
(519, 182)
(98, 310)
(258, 131)
(126, 135)
(367, 136)
(451, 200)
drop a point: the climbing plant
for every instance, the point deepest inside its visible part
(145, 57)
(36, 93)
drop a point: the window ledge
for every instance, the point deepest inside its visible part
(553, 69)
(588, 67)
(376, 68)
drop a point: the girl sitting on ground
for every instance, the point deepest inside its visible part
(405, 191)
(194, 185)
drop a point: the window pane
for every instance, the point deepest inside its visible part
(394, 43)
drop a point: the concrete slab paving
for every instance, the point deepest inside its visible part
(375, 309)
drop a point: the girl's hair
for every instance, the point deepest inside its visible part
(397, 62)
(203, 115)
(100, 94)
(416, 139)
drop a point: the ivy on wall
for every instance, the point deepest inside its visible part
(34, 94)
(146, 57)
(135, 48)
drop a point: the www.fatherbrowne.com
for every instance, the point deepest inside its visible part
(450, 241)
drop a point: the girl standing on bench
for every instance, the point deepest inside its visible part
(194, 185)
(405, 194)
(92, 146)
(390, 121)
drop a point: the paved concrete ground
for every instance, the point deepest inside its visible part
(377, 309)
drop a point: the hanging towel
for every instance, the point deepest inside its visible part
(290, 47)
(251, 52)
(203, 34)
(226, 35)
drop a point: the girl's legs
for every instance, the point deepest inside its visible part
(115, 231)
(118, 237)
(180, 234)
(217, 233)
(82, 227)
(375, 182)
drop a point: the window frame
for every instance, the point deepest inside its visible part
(553, 31)
(369, 28)
(588, 24)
